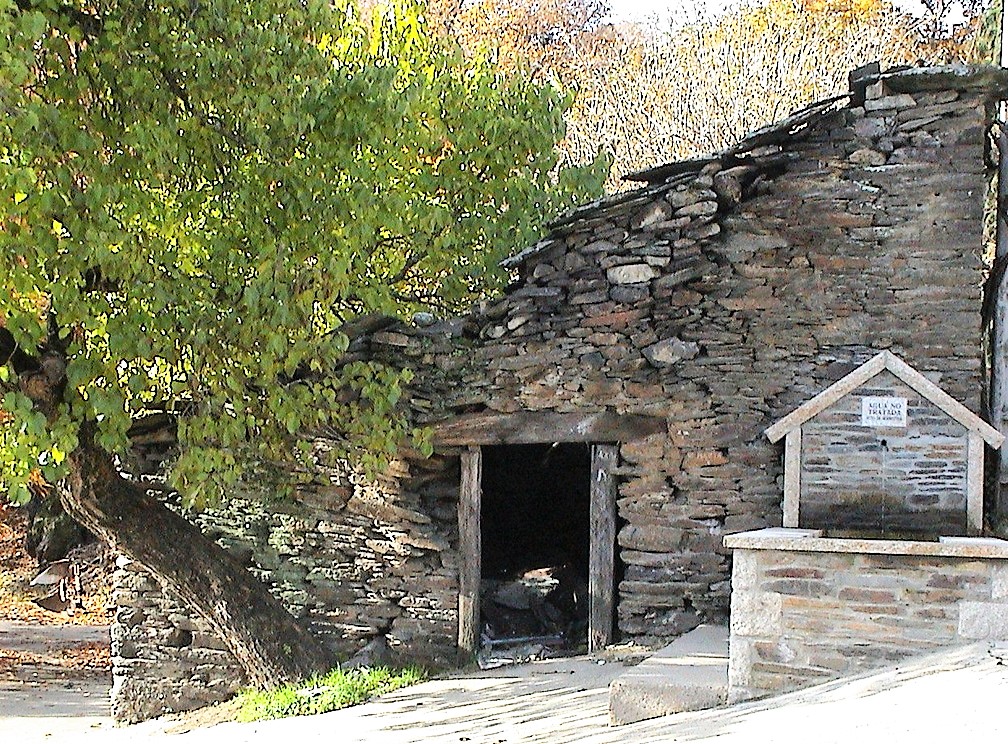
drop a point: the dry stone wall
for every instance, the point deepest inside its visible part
(370, 566)
(164, 660)
(730, 290)
(718, 296)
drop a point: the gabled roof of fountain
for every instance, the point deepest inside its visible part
(881, 362)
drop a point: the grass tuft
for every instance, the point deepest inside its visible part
(321, 694)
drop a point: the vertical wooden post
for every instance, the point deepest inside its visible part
(792, 476)
(999, 323)
(974, 483)
(602, 546)
(999, 319)
(470, 551)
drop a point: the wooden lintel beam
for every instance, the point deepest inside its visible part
(534, 427)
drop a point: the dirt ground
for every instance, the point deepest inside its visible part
(53, 679)
(17, 569)
(32, 645)
(54, 666)
(953, 695)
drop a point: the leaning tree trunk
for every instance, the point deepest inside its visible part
(266, 640)
(52, 533)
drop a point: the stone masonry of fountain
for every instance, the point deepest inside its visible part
(807, 607)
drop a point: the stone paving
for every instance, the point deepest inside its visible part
(957, 693)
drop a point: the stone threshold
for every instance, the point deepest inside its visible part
(812, 541)
(689, 674)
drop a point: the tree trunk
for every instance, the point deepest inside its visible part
(52, 533)
(265, 639)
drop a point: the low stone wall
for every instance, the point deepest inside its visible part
(164, 660)
(370, 566)
(806, 609)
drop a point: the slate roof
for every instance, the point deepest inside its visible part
(769, 147)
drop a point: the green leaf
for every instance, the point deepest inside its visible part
(201, 201)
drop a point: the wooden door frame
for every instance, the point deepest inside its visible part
(601, 547)
(470, 550)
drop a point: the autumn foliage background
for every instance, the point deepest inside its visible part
(647, 95)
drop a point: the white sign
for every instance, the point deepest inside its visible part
(877, 410)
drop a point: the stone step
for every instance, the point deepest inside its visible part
(689, 674)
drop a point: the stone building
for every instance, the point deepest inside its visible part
(605, 417)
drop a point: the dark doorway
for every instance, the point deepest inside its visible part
(535, 529)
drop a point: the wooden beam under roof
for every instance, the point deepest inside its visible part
(536, 427)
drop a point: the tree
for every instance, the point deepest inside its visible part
(647, 96)
(198, 196)
(542, 38)
(705, 84)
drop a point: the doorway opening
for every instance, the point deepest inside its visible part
(535, 530)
